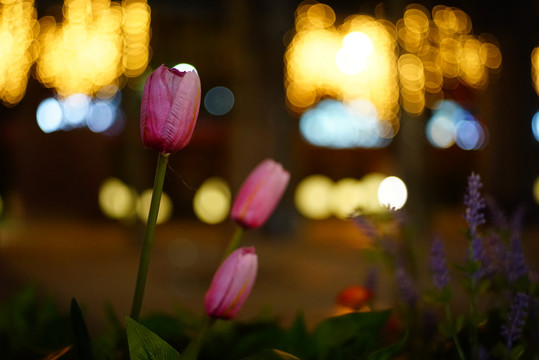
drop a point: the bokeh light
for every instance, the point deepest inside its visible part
(535, 69)
(393, 66)
(535, 125)
(97, 42)
(49, 115)
(451, 124)
(336, 125)
(78, 110)
(318, 197)
(75, 109)
(392, 193)
(116, 199)
(441, 131)
(219, 100)
(101, 116)
(211, 202)
(18, 48)
(345, 197)
(369, 185)
(312, 196)
(349, 62)
(536, 190)
(185, 67)
(143, 207)
(352, 57)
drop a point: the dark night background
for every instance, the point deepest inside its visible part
(240, 44)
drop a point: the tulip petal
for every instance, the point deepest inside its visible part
(169, 109)
(232, 284)
(260, 194)
(184, 110)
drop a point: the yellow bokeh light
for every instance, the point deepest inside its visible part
(536, 190)
(211, 202)
(98, 42)
(116, 199)
(345, 197)
(312, 197)
(352, 57)
(143, 207)
(535, 69)
(348, 62)
(325, 60)
(18, 47)
(368, 185)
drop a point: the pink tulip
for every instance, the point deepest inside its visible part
(260, 194)
(232, 284)
(169, 109)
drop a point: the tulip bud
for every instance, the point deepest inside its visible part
(169, 109)
(232, 284)
(260, 194)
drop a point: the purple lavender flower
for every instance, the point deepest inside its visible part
(495, 256)
(406, 287)
(482, 353)
(365, 225)
(474, 204)
(515, 320)
(371, 279)
(517, 263)
(499, 218)
(438, 267)
(474, 216)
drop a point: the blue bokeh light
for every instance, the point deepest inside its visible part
(76, 109)
(535, 125)
(451, 124)
(343, 126)
(49, 115)
(219, 100)
(101, 116)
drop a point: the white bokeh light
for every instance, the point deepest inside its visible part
(49, 115)
(185, 67)
(392, 193)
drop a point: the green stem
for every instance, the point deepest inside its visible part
(235, 242)
(474, 318)
(193, 348)
(146, 250)
(449, 319)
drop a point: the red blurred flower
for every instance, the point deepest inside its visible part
(232, 284)
(354, 297)
(169, 109)
(260, 194)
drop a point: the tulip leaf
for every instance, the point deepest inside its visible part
(83, 344)
(144, 344)
(272, 354)
(349, 333)
(389, 351)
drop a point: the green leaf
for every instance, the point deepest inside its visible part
(357, 331)
(83, 344)
(272, 354)
(516, 352)
(483, 286)
(459, 323)
(445, 329)
(389, 351)
(146, 345)
(297, 338)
